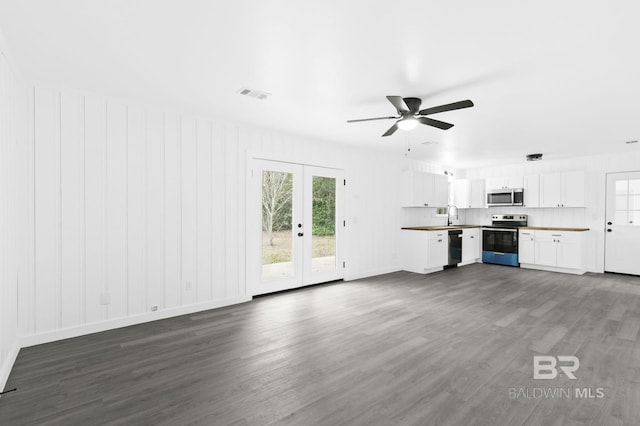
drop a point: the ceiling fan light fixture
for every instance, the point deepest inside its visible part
(407, 123)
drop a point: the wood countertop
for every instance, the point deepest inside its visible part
(546, 228)
(440, 228)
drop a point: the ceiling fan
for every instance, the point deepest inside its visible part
(410, 114)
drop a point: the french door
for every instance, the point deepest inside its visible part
(295, 225)
(622, 236)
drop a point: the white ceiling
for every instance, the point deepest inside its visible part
(557, 77)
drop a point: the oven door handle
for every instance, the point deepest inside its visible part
(500, 229)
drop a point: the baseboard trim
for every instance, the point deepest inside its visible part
(372, 273)
(7, 365)
(553, 269)
(68, 333)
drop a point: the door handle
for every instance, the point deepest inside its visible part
(608, 230)
(609, 223)
(300, 234)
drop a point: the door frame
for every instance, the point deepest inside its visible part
(253, 220)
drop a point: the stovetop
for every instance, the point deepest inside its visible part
(511, 221)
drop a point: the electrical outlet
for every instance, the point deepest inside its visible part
(154, 307)
(105, 298)
(187, 285)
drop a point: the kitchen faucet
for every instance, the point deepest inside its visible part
(449, 209)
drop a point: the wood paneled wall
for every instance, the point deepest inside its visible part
(130, 211)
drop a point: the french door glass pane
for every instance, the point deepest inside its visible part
(323, 241)
(634, 186)
(277, 227)
(622, 202)
(622, 187)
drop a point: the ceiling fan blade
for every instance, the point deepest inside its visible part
(370, 119)
(399, 103)
(447, 107)
(391, 130)
(435, 123)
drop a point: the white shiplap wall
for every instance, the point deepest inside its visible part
(10, 189)
(146, 207)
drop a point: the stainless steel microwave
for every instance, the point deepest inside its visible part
(505, 197)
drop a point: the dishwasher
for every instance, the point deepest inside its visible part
(455, 247)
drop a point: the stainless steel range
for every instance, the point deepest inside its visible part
(500, 239)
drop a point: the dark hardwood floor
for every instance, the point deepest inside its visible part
(446, 348)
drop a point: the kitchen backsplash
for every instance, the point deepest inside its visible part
(555, 217)
(426, 216)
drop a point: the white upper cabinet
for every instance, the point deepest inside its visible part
(421, 189)
(461, 193)
(504, 182)
(531, 186)
(562, 190)
(468, 193)
(478, 194)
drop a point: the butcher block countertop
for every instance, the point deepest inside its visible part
(440, 228)
(546, 228)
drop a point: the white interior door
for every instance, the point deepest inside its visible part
(294, 227)
(622, 236)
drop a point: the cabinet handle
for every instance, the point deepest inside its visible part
(439, 241)
(472, 236)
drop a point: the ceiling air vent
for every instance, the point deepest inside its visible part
(534, 157)
(253, 93)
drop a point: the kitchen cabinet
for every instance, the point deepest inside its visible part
(421, 189)
(560, 251)
(526, 247)
(531, 187)
(470, 245)
(504, 182)
(438, 249)
(562, 189)
(468, 193)
(423, 252)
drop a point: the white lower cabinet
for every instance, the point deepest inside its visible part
(526, 247)
(423, 252)
(559, 251)
(470, 245)
(438, 249)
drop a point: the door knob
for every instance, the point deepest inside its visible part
(300, 234)
(608, 230)
(609, 223)
(299, 225)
